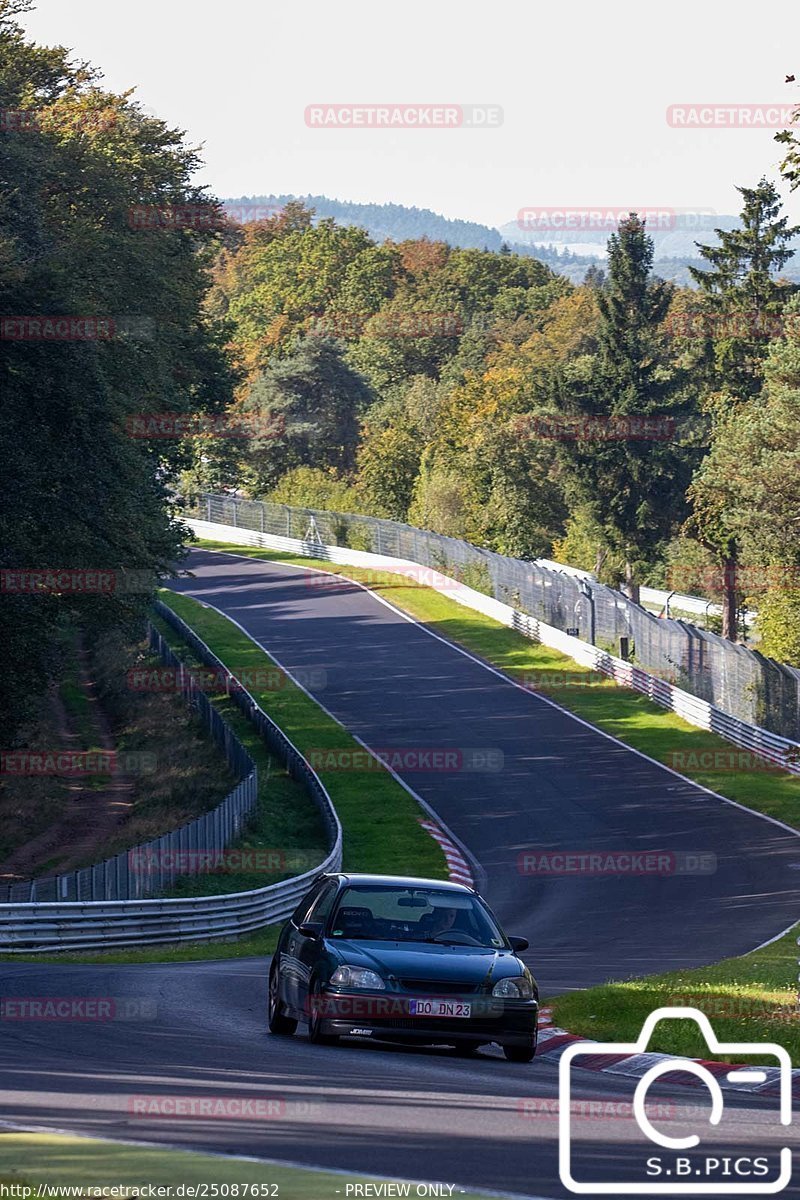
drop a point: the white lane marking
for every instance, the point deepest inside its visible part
(771, 941)
(506, 679)
(272, 1162)
(509, 679)
(478, 871)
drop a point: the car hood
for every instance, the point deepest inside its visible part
(459, 964)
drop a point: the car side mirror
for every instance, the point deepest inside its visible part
(518, 944)
(313, 929)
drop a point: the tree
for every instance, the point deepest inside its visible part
(749, 485)
(618, 413)
(744, 304)
(393, 437)
(78, 490)
(303, 411)
(313, 487)
(743, 299)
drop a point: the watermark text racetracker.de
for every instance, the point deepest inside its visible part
(224, 1107)
(411, 576)
(137, 1191)
(602, 218)
(75, 581)
(403, 116)
(77, 1008)
(436, 759)
(27, 120)
(221, 680)
(722, 761)
(616, 862)
(221, 425)
(731, 116)
(266, 860)
(76, 763)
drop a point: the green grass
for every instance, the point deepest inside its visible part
(286, 834)
(749, 999)
(29, 1159)
(620, 711)
(254, 945)
(380, 820)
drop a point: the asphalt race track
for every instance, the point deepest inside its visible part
(563, 785)
(199, 1029)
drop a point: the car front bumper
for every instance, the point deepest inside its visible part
(508, 1022)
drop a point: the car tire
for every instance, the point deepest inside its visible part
(277, 1020)
(521, 1054)
(315, 1034)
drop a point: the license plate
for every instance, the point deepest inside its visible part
(439, 1008)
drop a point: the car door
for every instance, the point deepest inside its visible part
(289, 964)
(308, 949)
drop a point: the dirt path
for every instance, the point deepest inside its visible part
(90, 815)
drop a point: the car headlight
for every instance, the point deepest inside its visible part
(357, 977)
(514, 988)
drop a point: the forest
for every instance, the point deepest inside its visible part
(623, 424)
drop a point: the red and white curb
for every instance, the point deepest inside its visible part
(554, 1041)
(457, 865)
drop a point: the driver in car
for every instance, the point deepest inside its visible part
(440, 921)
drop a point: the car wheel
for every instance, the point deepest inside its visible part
(315, 1033)
(276, 1019)
(521, 1054)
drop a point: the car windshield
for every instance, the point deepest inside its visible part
(414, 914)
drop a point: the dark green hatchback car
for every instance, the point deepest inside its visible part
(402, 960)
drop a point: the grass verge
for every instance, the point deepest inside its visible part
(31, 1159)
(286, 835)
(748, 999)
(380, 820)
(752, 998)
(381, 830)
(620, 711)
(255, 945)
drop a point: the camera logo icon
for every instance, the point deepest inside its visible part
(675, 1170)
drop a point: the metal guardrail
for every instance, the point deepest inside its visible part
(656, 598)
(84, 924)
(733, 678)
(153, 866)
(780, 751)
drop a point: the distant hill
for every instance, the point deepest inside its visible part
(384, 221)
(569, 253)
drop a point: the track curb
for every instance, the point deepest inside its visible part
(554, 1041)
(458, 868)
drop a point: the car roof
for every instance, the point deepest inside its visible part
(403, 880)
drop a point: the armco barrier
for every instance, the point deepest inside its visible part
(783, 752)
(734, 678)
(102, 924)
(151, 867)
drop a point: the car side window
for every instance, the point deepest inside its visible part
(300, 913)
(322, 905)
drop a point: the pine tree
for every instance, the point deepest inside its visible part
(627, 461)
(745, 304)
(741, 291)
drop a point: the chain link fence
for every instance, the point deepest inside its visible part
(154, 865)
(734, 678)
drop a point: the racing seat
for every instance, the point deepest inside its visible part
(355, 922)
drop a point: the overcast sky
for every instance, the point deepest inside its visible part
(584, 88)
